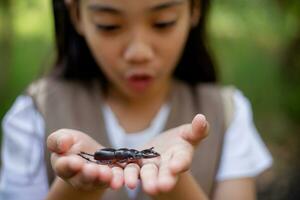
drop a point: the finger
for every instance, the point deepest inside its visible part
(197, 131)
(166, 180)
(90, 174)
(117, 178)
(87, 178)
(66, 166)
(131, 174)
(149, 173)
(200, 127)
(60, 141)
(181, 160)
(105, 173)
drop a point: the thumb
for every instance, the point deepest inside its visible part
(199, 130)
(60, 141)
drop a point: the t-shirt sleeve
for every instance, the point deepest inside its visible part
(23, 173)
(244, 153)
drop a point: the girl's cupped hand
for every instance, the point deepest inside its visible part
(176, 147)
(65, 144)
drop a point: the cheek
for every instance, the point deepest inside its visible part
(171, 51)
(107, 62)
(104, 52)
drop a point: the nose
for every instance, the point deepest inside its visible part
(138, 50)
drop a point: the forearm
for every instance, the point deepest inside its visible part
(186, 188)
(60, 190)
(240, 188)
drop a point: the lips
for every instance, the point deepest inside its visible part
(139, 82)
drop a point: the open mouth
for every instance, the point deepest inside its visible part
(139, 82)
(140, 77)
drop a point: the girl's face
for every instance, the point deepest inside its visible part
(137, 43)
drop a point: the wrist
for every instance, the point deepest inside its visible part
(185, 188)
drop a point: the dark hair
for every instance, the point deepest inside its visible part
(75, 61)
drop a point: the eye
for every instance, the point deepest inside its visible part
(107, 27)
(163, 25)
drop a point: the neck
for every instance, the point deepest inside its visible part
(157, 96)
(136, 113)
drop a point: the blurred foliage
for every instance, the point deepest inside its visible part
(256, 45)
(29, 41)
(250, 41)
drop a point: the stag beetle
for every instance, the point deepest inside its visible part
(111, 156)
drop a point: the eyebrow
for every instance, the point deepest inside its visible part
(112, 10)
(167, 5)
(104, 8)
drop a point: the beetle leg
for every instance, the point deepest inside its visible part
(83, 153)
(105, 162)
(118, 164)
(86, 158)
(122, 161)
(110, 163)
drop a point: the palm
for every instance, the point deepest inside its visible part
(65, 145)
(176, 148)
(169, 145)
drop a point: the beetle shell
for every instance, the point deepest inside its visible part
(104, 154)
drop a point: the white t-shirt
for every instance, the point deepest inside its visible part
(23, 174)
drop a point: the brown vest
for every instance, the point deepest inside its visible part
(69, 104)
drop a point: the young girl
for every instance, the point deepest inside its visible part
(131, 73)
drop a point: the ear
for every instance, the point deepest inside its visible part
(195, 13)
(74, 13)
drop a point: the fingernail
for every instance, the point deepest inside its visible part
(203, 119)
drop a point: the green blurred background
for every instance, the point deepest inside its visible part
(256, 45)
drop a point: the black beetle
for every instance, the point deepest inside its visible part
(111, 156)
